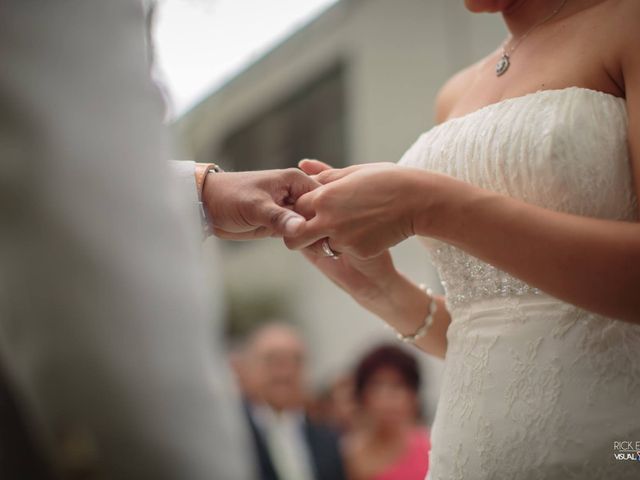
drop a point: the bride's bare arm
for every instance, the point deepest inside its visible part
(406, 309)
(377, 286)
(592, 263)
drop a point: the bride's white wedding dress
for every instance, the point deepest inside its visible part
(534, 388)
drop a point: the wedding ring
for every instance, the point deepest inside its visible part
(328, 251)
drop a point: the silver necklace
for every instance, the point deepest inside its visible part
(505, 59)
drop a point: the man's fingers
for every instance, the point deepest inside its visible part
(298, 183)
(313, 167)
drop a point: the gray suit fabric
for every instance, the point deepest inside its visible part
(105, 329)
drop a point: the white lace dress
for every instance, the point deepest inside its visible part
(534, 388)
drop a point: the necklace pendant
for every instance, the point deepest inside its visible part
(503, 65)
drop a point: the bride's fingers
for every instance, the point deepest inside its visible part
(304, 206)
(323, 172)
(308, 234)
(319, 249)
(314, 253)
(260, 232)
(309, 255)
(335, 174)
(313, 167)
(327, 266)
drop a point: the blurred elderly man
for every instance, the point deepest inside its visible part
(289, 445)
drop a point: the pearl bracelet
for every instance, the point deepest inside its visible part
(428, 321)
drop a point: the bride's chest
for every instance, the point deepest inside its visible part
(562, 149)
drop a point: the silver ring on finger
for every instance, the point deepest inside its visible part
(328, 251)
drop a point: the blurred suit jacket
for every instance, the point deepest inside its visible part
(108, 365)
(321, 443)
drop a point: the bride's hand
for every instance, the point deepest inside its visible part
(374, 282)
(324, 173)
(363, 210)
(365, 280)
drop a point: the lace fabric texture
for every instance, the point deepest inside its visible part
(533, 388)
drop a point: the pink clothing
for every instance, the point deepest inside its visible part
(414, 463)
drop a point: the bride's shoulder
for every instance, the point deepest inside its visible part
(453, 89)
(619, 38)
(618, 22)
(623, 7)
(624, 23)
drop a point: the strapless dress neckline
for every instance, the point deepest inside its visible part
(531, 95)
(533, 387)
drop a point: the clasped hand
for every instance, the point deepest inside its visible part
(361, 210)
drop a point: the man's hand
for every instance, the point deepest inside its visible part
(250, 205)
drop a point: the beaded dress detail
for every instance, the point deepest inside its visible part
(533, 387)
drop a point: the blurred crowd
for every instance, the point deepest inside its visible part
(366, 425)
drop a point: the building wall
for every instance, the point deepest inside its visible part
(397, 54)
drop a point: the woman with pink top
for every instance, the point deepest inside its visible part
(389, 443)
